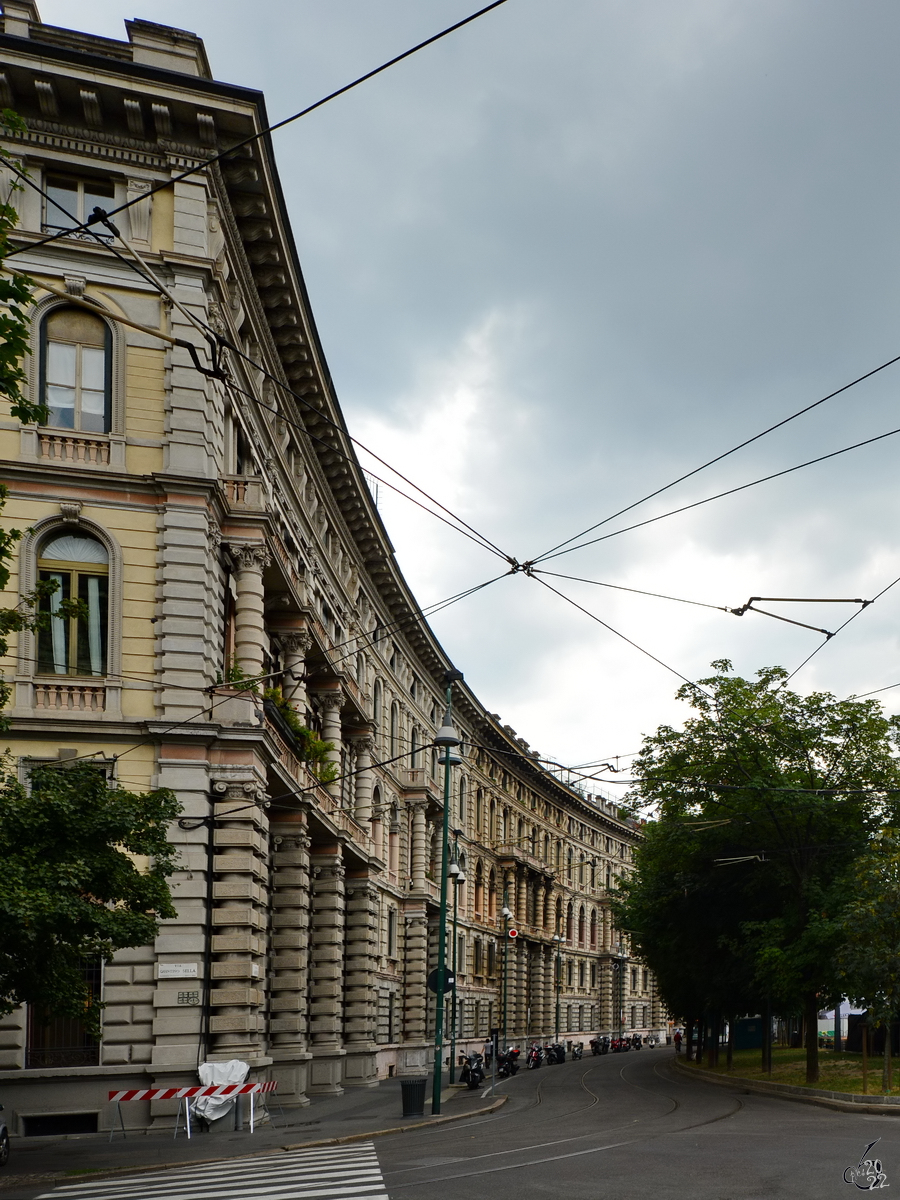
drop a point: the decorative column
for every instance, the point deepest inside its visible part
(238, 919)
(288, 981)
(330, 705)
(538, 999)
(327, 971)
(364, 780)
(418, 863)
(249, 621)
(413, 1055)
(360, 964)
(521, 901)
(294, 645)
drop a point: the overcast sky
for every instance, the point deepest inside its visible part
(567, 255)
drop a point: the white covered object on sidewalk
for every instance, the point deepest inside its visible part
(211, 1108)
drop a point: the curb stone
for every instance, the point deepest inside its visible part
(839, 1101)
(106, 1172)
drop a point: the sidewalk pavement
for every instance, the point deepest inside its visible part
(354, 1115)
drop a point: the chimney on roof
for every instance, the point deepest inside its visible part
(168, 48)
(19, 16)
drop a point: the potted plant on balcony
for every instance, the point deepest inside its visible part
(305, 742)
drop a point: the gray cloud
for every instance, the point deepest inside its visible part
(592, 245)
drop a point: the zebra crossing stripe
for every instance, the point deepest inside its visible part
(329, 1173)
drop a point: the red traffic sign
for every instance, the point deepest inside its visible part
(513, 933)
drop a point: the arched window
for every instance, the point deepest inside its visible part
(581, 870)
(76, 370)
(395, 730)
(581, 926)
(479, 891)
(79, 567)
(547, 849)
(492, 821)
(377, 714)
(463, 784)
(414, 747)
(569, 861)
(492, 896)
(594, 930)
(479, 803)
(570, 922)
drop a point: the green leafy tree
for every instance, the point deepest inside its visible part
(869, 959)
(84, 875)
(764, 799)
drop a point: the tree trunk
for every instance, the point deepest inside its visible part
(886, 1059)
(689, 1038)
(730, 1060)
(811, 1022)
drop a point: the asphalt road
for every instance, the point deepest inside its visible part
(623, 1126)
(628, 1126)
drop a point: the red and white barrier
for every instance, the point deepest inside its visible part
(186, 1094)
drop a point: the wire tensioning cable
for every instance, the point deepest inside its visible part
(271, 128)
(719, 457)
(852, 617)
(718, 496)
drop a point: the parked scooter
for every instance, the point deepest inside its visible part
(535, 1057)
(472, 1073)
(600, 1044)
(636, 1041)
(577, 1049)
(508, 1062)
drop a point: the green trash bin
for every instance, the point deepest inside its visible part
(413, 1092)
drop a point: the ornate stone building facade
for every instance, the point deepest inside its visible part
(218, 527)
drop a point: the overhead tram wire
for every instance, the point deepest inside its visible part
(528, 567)
(239, 145)
(600, 621)
(552, 552)
(145, 272)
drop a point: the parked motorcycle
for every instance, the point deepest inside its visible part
(600, 1044)
(577, 1050)
(556, 1053)
(472, 1073)
(636, 1041)
(535, 1057)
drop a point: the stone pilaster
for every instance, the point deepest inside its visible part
(360, 963)
(238, 919)
(327, 972)
(289, 981)
(249, 621)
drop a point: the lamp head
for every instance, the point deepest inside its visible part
(505, 912)
(447, 735)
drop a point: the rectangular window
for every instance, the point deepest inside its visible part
(71, 201)
(74, 645)
(392, 933)
(492, 958)
(63, 1041)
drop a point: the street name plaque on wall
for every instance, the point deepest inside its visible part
(177, 971)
